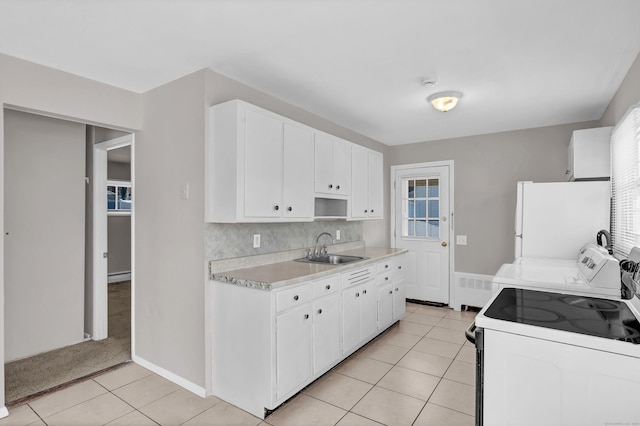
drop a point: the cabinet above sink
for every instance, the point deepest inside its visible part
(263, 167)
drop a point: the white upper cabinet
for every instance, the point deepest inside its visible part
(366, 172)
(260, 166)
(332, 166)
(589, 154)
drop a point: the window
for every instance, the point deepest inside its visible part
(119, 196)
(625, 183)
(421, 207)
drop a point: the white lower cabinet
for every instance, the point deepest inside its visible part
(326, 332)
(294, 349)
(268, 345)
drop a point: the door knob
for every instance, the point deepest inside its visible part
(444, 244)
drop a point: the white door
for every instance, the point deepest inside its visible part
(423, 224)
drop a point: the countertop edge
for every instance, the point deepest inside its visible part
(228, 278)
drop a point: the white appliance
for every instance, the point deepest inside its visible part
(554, 219)
(593, 273)
(547, 358)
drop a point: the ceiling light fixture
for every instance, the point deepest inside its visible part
(445, 101)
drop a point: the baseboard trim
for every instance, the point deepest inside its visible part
(117, 277)
(3, 412)
(180, 381)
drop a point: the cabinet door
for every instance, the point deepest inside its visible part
(342, 166)
(263, 165)
(350, 318)
(293, 349)
(399, 298)
(368, 310)
(326, 332)
(359, 183)
(385, 306)
(375, 180)
(323, 155)
(298, 172)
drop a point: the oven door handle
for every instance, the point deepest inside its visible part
(470, 333)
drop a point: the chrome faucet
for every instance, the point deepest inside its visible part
(324, 248)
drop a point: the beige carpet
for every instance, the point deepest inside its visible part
(45, 371)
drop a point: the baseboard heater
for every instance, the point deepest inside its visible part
(470, 290)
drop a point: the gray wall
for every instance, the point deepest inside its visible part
(33, 87)
(627, 95)
(487, 168)
(44, 244)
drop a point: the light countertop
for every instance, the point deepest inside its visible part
(281, 274)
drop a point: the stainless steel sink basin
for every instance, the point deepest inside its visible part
(332, 259)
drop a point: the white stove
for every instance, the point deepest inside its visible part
(558, 357)
(593, 273)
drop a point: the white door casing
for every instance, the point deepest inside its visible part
(422, 222)
(100, 317)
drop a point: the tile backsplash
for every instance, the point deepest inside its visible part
(229, 240)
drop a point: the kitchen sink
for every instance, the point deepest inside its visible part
(332, 259)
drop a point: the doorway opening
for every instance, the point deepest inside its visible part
(49, 167)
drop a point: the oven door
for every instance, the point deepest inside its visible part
(475, 335)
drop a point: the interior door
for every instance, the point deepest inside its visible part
(423, 226)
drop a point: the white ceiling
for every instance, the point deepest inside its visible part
(519, 63)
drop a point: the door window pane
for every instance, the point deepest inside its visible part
(119, 196)
(421, 208)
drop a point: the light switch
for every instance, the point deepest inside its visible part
(184, 191)
(461, 240)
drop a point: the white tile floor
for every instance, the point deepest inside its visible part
(421, 372)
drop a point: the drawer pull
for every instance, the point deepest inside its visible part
(330, 186)
(390, 292)
(319, 311)
(328, 287)
(386, 278)
(338, 187)
(296, 297)
(396, 288)
(399, 267)
(386, 266)
(364, 291)
(306, 316)
(357, 294)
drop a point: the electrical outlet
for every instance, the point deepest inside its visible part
(256, 240)
(338, 235)
(461, 240)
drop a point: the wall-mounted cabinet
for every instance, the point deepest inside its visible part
(260, 166)
(589, 154)
(366, 180)
(332, 165)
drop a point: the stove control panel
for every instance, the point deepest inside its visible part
(598, 268)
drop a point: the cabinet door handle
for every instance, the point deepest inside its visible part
(386, 266)
(371, 210)
(364, 291)
(328, 287)
(386, 278)
(306, 316)
(296, 297)
(330, 186)
(337, 187)
(319, 311)
(390, 292)
(357, 294)
(399, 267)
(289, 209)
(396, 288)
(276, 207)
(366, 211)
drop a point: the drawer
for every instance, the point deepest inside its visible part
(387, 265)
(386, 278)
(296, 296)
(326, 286)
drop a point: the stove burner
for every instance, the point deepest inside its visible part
(533, 313)
(617, 331)
(590, 303)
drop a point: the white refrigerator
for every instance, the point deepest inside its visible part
(555, 219)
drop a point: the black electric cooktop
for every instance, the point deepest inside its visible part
(611, 319)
